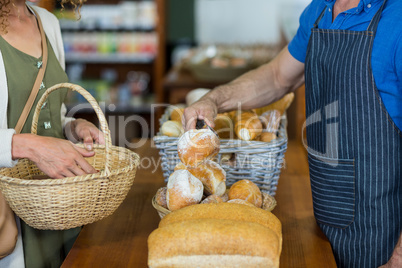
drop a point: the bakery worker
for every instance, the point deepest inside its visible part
(349, 54)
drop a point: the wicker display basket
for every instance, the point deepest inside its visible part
(57, 204)
(268, 204)
(259, 162)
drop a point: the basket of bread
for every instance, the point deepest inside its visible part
(57, 204)
(252, 143)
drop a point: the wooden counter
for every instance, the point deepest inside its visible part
(121, 239)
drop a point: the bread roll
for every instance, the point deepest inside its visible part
(213, 243)
(172, 129)
(271, 120)
(177, 114)
(196, 146)
(160, 197)
(225, 196)
(267, 136)
(212, 199)
(226, 211)
(183, 189)
(246, 190)
(211, 175)
(247, 125)
(224, 126)
(281, 105)
(241, 202)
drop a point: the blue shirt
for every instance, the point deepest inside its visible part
(386, 61)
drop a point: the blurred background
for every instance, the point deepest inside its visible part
(132, 54)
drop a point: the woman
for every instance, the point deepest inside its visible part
(20, 59)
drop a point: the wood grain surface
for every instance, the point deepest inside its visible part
(121, 239)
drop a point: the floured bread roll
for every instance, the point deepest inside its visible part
(247, 125)
(241, 202)
(211, 175)
(172, 129)
(246, 190)
(183, 189)
(196, 146)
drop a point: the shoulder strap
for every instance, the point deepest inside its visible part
(38, 81)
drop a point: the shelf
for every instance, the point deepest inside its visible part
(78, 28)
(109, 58)
(114, 109)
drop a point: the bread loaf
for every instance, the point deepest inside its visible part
(172, 129)
(216, 235)
(246, 190)
(183, 189)
(213, 243)
(196, 146)
(226, 211)
(211, 175)
(247, 125)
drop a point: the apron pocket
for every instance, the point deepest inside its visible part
(333, 188)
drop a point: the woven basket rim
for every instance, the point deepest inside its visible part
(71, 180)
(166, 211)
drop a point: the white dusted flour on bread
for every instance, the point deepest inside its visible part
(183, 189)
(196, 146)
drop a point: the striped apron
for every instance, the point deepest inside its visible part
(354, 148)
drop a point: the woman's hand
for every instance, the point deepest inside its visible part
(204, 109)
(57, 158)
(82, 130)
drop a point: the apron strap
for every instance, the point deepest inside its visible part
(376, 19)
(319, 18)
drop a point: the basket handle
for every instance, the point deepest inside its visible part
(102, 120)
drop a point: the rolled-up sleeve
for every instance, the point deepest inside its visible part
(6, 159)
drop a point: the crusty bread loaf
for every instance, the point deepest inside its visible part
(183, 189)
(246, 190)
(196, 146)
(212, 176)
(226, 211)
(224, 126)
(213, 243)
(247, 125)
(172, 129)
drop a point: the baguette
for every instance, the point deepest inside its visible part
(213, 243)
(281, 105)
(247, 125)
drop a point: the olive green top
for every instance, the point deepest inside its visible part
(42, 248)
(22, 70)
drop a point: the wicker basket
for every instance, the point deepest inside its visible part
(259, 162)
(57, 204)
(268, 204)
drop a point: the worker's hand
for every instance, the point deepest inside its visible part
(204, 109)
(57, 158)
(82, 130)
(396, 258)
